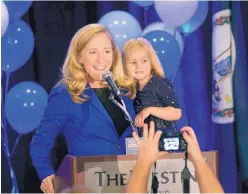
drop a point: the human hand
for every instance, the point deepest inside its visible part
(47, 184)
(193, 148)
(148, 145)
(140, 118)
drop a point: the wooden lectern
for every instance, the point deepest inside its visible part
(109, 174)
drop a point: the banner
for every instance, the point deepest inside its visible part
(112, 177)
(223, 59)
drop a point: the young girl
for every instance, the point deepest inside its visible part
(155, 98)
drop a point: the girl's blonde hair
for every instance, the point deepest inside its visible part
(74, 75)
(157, 68)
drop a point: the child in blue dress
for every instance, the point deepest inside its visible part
(154, 98)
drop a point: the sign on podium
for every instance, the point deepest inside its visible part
(110, 174)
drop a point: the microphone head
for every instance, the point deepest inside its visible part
(106, 74)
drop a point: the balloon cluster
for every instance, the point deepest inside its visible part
(179, 18)
(23, 108)
(24, 104)
(16, 35)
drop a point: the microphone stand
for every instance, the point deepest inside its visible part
(186, 175)
(128, 118)
(123, 108)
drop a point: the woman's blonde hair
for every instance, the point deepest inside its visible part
(74, 75)
(157, 68)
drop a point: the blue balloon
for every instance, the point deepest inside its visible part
(17, 9)
(17, 46)
(24, 106)
(143, 3)
(122, 26)
(168, 51)
(197, 20)
(161, 26)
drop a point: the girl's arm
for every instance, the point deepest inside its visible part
(171, 110)
(166, 113)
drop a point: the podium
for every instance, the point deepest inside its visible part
(110, 174)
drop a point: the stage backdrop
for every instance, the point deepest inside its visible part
(197, 81)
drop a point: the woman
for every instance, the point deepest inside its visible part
(79, 105)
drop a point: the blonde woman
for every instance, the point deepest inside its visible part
(154, 96)
(79, 105)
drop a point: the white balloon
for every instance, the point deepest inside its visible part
(4, 18)
(175, 13)
(161, 26)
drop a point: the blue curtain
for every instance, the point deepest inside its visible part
(54, 23)
(193, 87)
(240, 84)
(225, 136)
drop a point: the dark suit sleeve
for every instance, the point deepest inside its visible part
(166, 94)
(55, 117)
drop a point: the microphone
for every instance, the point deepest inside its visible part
(107, 76)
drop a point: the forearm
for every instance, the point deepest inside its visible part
(40, 148)
(41, 159)
(207, 181)
(139, 179)
(43, 167)
(166, 113)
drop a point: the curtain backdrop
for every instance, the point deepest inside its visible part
(54, 24)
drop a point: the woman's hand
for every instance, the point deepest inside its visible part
(47, 184)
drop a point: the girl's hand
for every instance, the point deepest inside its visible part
(140, 118)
